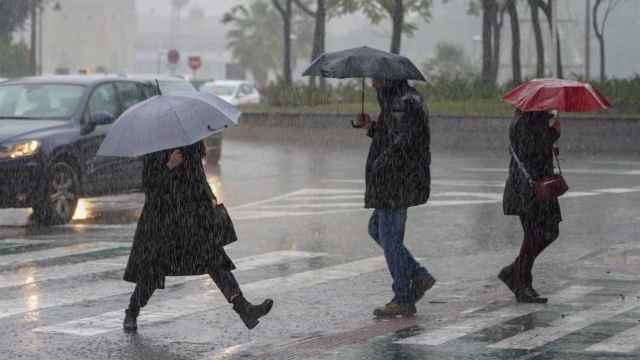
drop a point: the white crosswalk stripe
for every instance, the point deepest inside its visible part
(90, 291)
(484, 320)
(77, 249)
(624, 342)
(171, 309)
(538, 337)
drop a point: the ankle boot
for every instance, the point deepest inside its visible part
(130, 323)
(250, 313)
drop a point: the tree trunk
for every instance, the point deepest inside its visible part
(34, 39)
(498, 20)
(488, 11)
(546, 8)
(319, 35)
(516, 64)
(599, 32)
(537, 32)
(603, 72)
(397, 19)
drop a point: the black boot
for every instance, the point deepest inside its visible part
(250, 313)
(506, 275)
(527, 295)
(131, 320)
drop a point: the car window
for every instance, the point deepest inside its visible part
(104, 99)
(130, 94)
(176, 86)
(38, 101)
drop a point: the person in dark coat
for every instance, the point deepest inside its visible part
(532, 139)
(174, 237)
(398, 177)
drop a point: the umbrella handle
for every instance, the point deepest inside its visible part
(363, 95)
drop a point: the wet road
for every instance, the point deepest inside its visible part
(298, 212)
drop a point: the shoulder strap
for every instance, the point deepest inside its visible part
(521, 166)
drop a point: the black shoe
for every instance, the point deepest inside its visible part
(506, 275)
(423, 284)
(130, 323)
(528, 295)
(249, 313)
(394, 309)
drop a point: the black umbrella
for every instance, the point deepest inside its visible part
(364, 62)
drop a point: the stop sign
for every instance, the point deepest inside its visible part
(173, 56)
(195, 62)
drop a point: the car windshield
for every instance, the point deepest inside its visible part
(222, 90)
(39, 101)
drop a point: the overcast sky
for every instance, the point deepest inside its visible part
(212, 7)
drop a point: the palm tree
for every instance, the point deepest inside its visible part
(255, 39)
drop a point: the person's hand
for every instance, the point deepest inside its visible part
(362, 121)
(556, 124)
(175, 159)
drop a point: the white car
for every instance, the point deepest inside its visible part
(3, 79)
(236, 92)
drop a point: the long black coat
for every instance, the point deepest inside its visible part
(532, 140)
(397, 170)
(171, 239)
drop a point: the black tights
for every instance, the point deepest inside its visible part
(538, 234)
(224, 280)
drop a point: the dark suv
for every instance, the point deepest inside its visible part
(50, 131)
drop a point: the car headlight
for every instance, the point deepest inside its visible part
(18, 150)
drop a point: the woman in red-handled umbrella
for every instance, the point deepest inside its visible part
(532, 190)
(532, 138)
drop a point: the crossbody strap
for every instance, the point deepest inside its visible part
(521, 166)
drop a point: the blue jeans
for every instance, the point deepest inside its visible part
(386, 227)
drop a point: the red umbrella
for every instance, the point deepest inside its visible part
(556, 94)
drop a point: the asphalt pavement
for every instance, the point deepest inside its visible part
(298, 209)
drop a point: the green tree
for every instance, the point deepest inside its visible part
(449, 62)
(14, 59)
(395, 11)
(256, 43)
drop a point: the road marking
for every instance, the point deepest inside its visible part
(77, 249)
(538, 337)
(624, 342)
(171, 309)
(14, 243)
(34, 300)
(443, 182)
(616, 190)
(572, 194)
(484, 320)
(30, 275)
(568, 171)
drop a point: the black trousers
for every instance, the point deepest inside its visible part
(539, 232)
(224, 280)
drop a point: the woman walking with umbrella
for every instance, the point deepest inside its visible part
(182, 229)
(532, 189)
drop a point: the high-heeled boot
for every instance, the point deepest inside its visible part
(250, 313)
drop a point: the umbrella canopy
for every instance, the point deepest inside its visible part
(166, 122)
(556, 94)
(364, 62)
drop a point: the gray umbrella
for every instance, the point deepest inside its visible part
(166, 122)
(364, 62)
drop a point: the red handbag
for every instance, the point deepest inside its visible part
(549, 187)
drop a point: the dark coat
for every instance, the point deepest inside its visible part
(171, 239)
(397, 170)
(532, 140)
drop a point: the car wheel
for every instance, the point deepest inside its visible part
(59, 203)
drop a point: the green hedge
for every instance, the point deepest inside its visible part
(624, 94)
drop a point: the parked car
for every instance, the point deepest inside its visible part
(174, 84)
(3, 80)
(50, 131)
(236, 92)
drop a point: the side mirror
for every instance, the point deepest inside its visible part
(102, 118)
